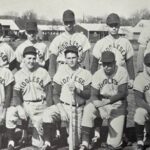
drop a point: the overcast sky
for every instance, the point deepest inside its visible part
(54, 8)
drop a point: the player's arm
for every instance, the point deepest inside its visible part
(48, 91)
(121, 94)
(94, 65)
(52, 65)
(56, 93)
(13, 64)
(46, 66)
(130, 68)
(140, 58)
(139, 100)
(17, 98)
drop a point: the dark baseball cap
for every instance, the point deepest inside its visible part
(108, 56)
(147, 59)
(31, 26)
(29, 50)
(71, 49)
(68, 15)
(113, 19)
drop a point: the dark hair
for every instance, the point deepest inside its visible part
(71, 49)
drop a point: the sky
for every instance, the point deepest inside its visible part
(52, 9)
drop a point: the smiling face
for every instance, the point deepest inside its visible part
(72, 60)
(30, 61)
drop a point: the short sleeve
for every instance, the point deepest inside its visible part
(97, 50)
(9, 78)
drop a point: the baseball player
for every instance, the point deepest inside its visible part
(6, 88)
(69, 38)
(42, 52)
(30, 97)
(142, 113)
(121, 47)
(144, 47)
(7, 55)
(71, 88)
(108, 101)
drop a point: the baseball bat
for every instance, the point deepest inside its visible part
(70, 125)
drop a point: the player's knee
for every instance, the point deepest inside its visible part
(140, 115)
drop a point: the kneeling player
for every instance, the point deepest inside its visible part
(71, 90)
(108, 101)
(142, 98)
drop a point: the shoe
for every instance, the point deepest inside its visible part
(10, 147)
(83, 147)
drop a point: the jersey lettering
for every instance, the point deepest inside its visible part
(3, 56)
(147, 87)
(108, 81)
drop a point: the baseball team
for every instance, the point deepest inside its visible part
(53, 87)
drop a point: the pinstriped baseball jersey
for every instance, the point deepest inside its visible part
(108, 86)
(80, 77)
(60, 43)
(142, 84)
(32, 84)
(121, 47)
(7, 54)
(42, 52)
(6, 77)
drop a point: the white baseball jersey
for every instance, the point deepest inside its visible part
(121, 47)
(109, 86)
(6, 77)
(7, 54)
(59, 44)
(142, 84)
(32, 84)
(64, 75)
(144, 39)
(42, 52)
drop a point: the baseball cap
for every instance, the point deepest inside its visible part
(147, 59)
(68, 15)
(29, 50)
(71, 49)
(108, 56)
(113, 19)
(31, 26)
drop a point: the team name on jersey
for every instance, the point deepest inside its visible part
(40, 55)
(147, 87)
(29, 80)
(3, 56)
(118, 47)
(107, 81)
(76, 79)
(65, 44)
(2, 81)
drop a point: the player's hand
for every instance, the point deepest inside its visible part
(97, 103)
(105, 101)
(103, 113)
(130, 84)
(71, 86)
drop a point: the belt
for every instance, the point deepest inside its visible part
(74, 105)
(34, 101)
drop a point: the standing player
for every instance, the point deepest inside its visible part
(42, 52)
(142, 98)
(121, 47)
(7, 55)
(69, 38)
(71, 85)
(144, 47)
(31, 91)
(108, 101)
(6, 88)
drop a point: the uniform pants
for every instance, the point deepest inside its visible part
(33, 110)
(115, 124)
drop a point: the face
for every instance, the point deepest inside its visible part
(147, 68)
(114, 28)
(109, 67)
(30, 61)
(69, 26)
(71, 60)
(31, 35)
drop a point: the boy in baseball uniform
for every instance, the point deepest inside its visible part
(41, 48)
(142, 113)
(71, 90)
(108, 101)
(69, 38)
(31, 95)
